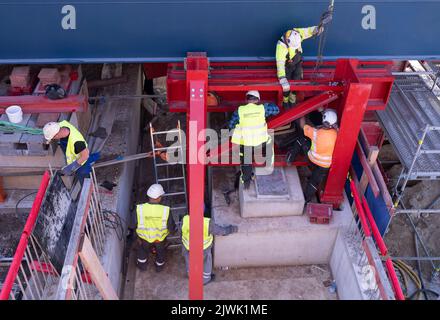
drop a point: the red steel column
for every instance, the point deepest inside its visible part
(352, 110)
(196, 86)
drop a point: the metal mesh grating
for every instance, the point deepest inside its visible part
(410, 108)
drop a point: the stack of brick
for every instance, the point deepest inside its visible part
(49, 76)
(20, 77)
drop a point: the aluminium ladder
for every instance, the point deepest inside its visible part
(176, 209)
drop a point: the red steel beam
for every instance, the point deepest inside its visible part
(197, 83)
(301, 109)
(41, 104)
(286, 117)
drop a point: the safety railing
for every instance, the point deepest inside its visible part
(368, 231)
(31, 271)
(83, 276)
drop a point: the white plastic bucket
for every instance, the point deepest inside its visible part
(15, 114)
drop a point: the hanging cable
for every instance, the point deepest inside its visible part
(326, 18)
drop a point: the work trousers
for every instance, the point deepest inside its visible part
(144, 251)
(207, 263)
(259, 154)
(302, 145)
(294, 71)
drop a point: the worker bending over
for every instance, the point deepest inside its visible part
(250, 132)
(154, 223)
(72, 143)
(289, 59)
(319, 149)
(209, 230)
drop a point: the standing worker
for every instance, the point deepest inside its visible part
(209, 230)
(250, 131)
(153, 224)
(319, 149)
(72, 143)
(289, 59)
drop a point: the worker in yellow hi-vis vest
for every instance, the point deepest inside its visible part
(209, 230)
(154, 223)
(72, 143)
(251, 134)
(289, 59)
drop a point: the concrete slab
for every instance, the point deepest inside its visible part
(270, 241)
(287, 198)
(283, 283)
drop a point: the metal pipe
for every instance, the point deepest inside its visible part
(418, 211)
(415, 258)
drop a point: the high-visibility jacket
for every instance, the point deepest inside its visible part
(207, 237)
(74, 137)
(323, 144)
(251, 129)
(152, 222)
(284, 52)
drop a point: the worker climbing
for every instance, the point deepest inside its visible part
(74, 146)
(318, 143)
(288, 55)
(154, 223)
(210, 228)
(250, 132)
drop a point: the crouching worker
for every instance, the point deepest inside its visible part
(74, 146)
(209, 230)
(154, 223)
(319, 149)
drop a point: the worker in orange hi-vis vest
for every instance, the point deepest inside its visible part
(319, 149)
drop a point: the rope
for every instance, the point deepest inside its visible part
(6, 126)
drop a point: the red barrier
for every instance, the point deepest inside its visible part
(360, 209)
(19, 253)
(384, 251)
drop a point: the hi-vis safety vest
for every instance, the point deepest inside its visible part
(152, 222)
(323, 144)
(74, 137)
(251, 129)
(207, 238)
(284, 52)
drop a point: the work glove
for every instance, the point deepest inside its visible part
(71, 168)
(326, 17)
(231, 229)
(285, 84)
(318, 30)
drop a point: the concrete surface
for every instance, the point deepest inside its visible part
(123, 140)
(254, 205)
(283, 283)
(274, 241)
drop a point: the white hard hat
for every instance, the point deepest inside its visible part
(253, 93)
(293, 39)
(50, 129)
(329, 117)
(155, 191)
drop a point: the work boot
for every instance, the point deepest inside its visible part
(159, 268)
(142, 265)
(210, 280)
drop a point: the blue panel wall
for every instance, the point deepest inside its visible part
(154, 30)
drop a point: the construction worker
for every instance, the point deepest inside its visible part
(250, 131)
(72, 143)
(319, 149)
(154, 223)
(289, 59)
(209, 230)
